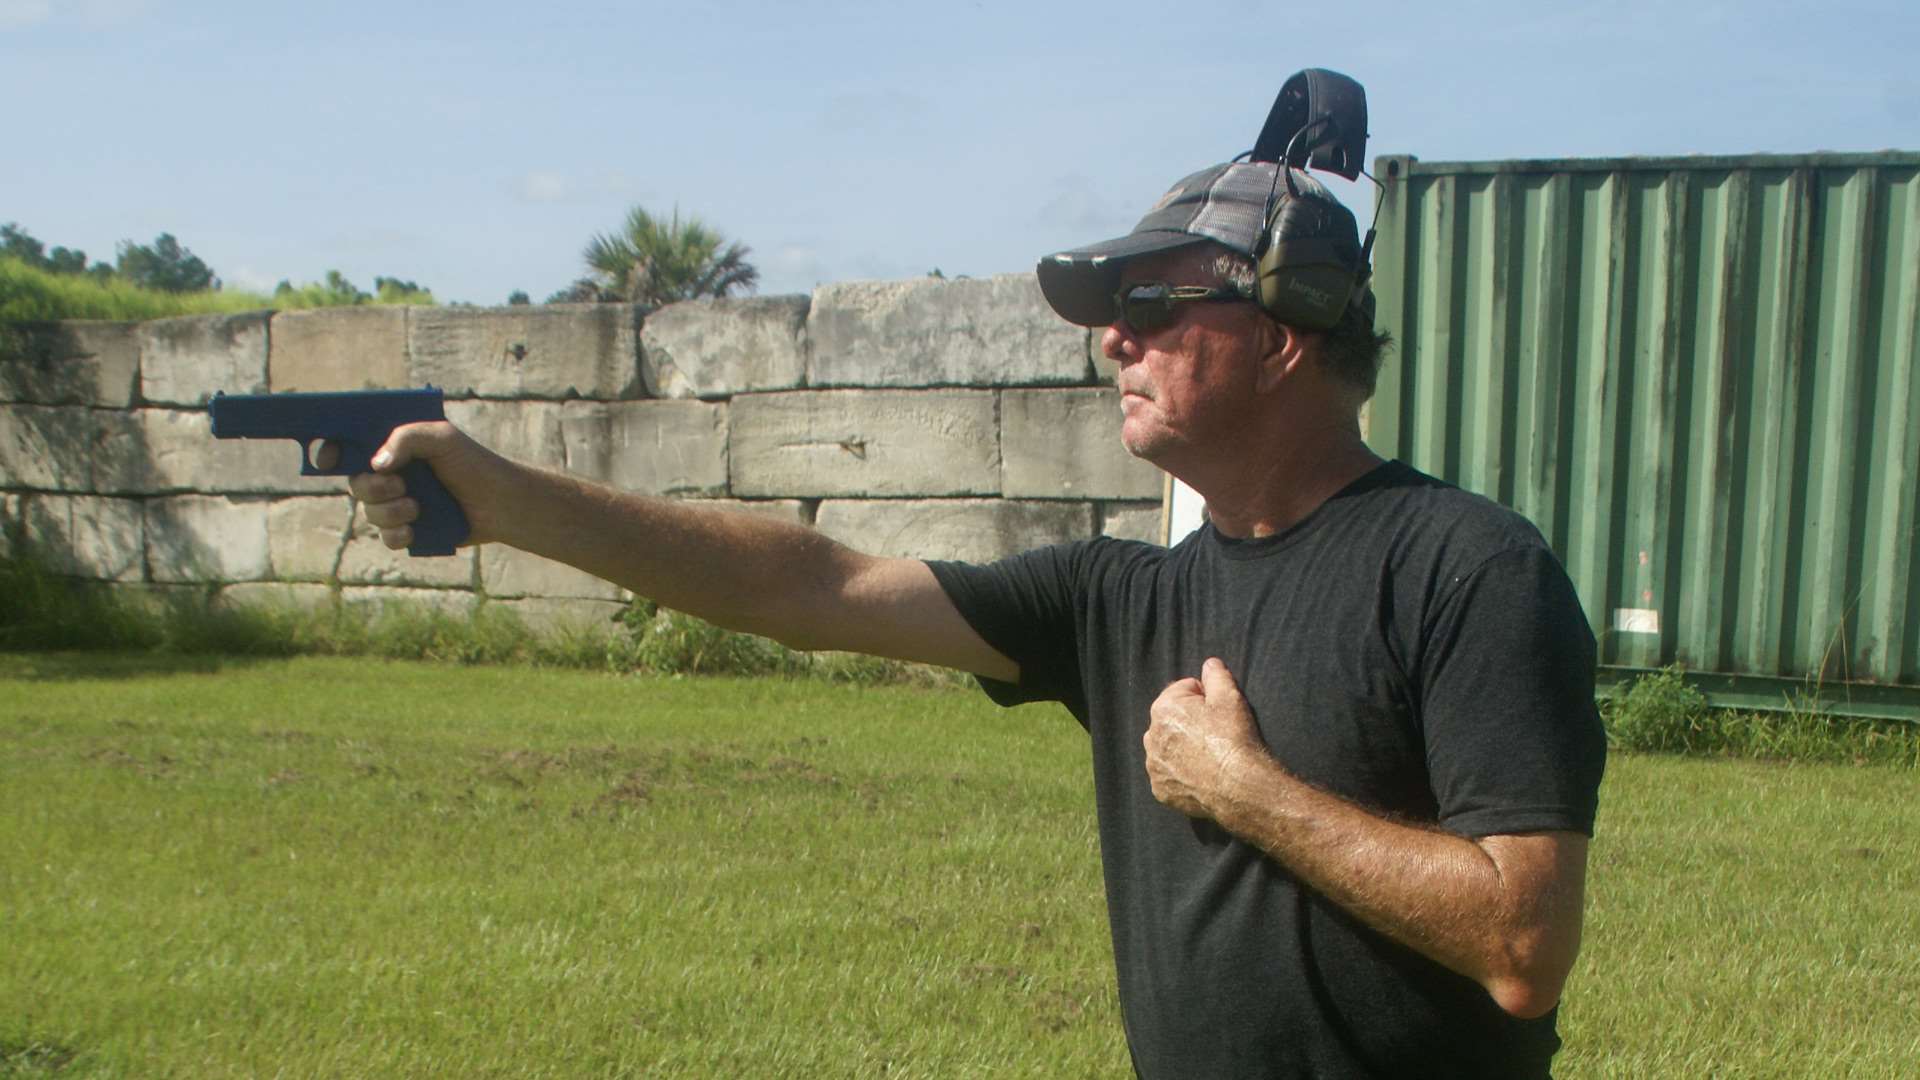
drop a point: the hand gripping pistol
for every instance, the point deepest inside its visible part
(358, 422)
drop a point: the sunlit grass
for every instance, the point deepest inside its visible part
(224, 867)
(1749, 919)
(327, 867)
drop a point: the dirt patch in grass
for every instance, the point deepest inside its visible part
(790, 768)
(633, 791)
(1056, 1011)
(153, 768)
(31, 1057)
(289, 737)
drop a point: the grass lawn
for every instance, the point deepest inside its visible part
(330, 867)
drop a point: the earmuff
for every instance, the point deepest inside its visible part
(1311, 262)
(1310, 258)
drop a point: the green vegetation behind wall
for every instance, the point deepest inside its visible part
(28, 294)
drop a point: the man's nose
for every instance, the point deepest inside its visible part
(1119, 343)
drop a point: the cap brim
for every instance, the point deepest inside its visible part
(1080, 284)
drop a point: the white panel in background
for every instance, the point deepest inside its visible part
(1185, 510)
(1636, 620)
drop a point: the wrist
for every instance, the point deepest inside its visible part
(1238, 789)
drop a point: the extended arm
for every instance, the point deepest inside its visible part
(1502, 910)
(780, 580)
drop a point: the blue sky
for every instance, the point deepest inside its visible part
(474, 148)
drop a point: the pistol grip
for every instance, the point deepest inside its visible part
(442, 525)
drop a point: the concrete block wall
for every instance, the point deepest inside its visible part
(928, 418)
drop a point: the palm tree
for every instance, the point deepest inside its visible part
(653, 262)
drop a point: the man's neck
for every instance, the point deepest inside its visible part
(1270, 489)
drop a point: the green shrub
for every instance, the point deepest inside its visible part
(1658, 712)
(662, 641)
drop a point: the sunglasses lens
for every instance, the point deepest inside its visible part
(1147, 307)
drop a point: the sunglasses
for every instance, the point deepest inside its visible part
(1149, 305)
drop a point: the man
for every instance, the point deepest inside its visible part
(1344, 742)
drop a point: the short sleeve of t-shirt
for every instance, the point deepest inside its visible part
(1506, 691)
(1027, 607)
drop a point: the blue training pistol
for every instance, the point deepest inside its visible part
(358, 421)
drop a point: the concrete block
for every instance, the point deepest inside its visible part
(46, 447)
(554, 616)
(85, 535)
(526, 431)
(508, 572)
(366, 560)
(305, 536)
(654, 447)
(789, 511)
(273, 596)
(718, 348)
(1065, 444)
(1132, 521)
(864, 442)
(76, 362)
(207, 538)
(42, 529)
(184, 360)
(109, 539)
(455, 602)
(970, 530)
(349, 348)
(122, 463)
(45, 527)
(169, 450)
(995, 331)
(11, 524)
(550, 351)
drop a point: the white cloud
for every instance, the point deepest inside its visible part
(16, 14)
(549, 186)
(875, 114)
(541, 187)
(791, 268)
(108, 14)
(91, 14)
(247, 279)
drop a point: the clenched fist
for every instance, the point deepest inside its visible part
(470, 473)
(1200, 731)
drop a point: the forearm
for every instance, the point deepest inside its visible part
(1490, 909)
(737, 570)
(773, 578)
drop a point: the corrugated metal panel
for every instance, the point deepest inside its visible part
(1696, 375)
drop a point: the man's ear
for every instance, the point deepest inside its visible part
(1283, 353)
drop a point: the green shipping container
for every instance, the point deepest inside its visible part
(1696, 375)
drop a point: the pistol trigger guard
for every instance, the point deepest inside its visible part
(307, 467)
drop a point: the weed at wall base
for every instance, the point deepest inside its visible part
(43, 611)
(1661, 713)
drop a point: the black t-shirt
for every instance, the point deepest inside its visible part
(1409, 646)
